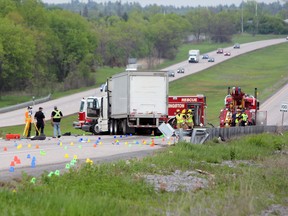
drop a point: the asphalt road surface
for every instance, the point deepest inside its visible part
(70, 104)
(33, 157)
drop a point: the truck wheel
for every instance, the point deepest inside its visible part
(124, 126)
(111, 127)
(96, 129)
(115, 123)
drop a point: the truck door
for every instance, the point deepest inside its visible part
(93, 107)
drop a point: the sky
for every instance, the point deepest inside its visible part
(176, 3)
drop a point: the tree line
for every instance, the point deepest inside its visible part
(47, 47)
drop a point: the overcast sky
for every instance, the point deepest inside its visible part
(169, 2)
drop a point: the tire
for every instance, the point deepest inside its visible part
(111, 127)
(124, 126)
(95, 129)
(115, 127)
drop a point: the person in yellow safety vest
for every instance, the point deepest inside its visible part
(28, 122)
(179, 119)
(56, 116)
(238, 117)
(189, 119)
(244, 118)
(184, 118)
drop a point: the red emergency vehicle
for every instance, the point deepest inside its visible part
(237, 100)
(197, 104)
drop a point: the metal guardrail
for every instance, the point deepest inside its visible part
(201, 135)
(26, 104)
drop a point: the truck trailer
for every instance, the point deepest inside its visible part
(134, 101)
(193, 56)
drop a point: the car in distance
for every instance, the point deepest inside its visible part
(236, 46)
(219, 51)
(205, 56)
(227, 54)
(287, 38)
(211, 59)
(171, 73)
(103, 87)
(180, 70)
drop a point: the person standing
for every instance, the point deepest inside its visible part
(56, 116)
(244, 118)
(179, 119)
(28, 122)
(40, 118)
(189, 119)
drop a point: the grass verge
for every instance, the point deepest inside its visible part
(245, 177)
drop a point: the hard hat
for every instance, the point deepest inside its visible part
(177, 110)
(183, 111)
(189, 111)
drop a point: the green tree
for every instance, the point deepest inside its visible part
(222, 27)
(17, 52)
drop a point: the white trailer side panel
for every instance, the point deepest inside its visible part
(119, 94)
(148, 95)
(139, 94)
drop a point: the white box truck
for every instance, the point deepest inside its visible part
(193, 56)
(134, 101)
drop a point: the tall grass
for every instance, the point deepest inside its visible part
(258, 180)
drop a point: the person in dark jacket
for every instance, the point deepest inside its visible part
(56, 116)
(39, 117)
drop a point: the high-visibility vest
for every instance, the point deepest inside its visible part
(236, 120)
(57, 114)
(244, 117)
(189, 118)
(28, 117)
(179, 118)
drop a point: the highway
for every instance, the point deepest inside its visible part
(70, 104)
(52, 154)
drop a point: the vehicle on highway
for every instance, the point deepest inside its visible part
(211, 59)
(205, 56)
(134, 102)
(193, 56)
(171, 73)
(180, 70)
(236, 46)
(287, 38)
(227, 54)
(237, 102)
(220, 51)
(196, 103)
(103, 87)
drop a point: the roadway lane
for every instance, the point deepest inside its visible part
(53, 154)
(272, 106)
(70, 104)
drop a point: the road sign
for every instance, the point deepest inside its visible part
(284, 107)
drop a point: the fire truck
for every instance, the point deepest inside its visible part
(197, 104)
(238, 101)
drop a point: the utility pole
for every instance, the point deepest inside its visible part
(242, 18)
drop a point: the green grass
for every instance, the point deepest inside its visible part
(205, 47)
(66, 126)
(265, 69)
(119, 188)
